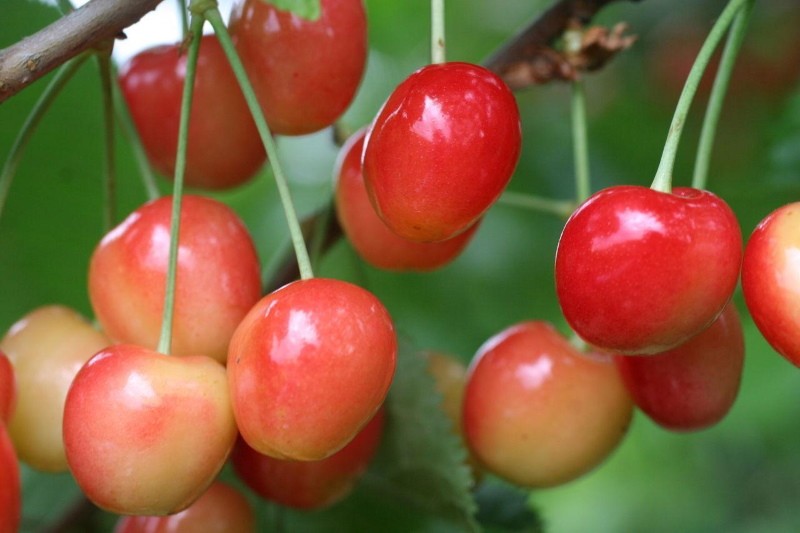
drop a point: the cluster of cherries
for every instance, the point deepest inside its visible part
(290, 386)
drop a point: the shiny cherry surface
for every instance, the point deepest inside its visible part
(145, 433)
(537, 412)
(224, 147)
(10, 485)
(694, 385)
(771, 280)
(641, 271)
(218, 278)
(309, 366)
(8, 388)
(305, 73)
(309, 484)
(441, 150)
(369, 235)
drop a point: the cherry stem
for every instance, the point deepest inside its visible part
(580, 142)
(301, 252)
(437, 32)
(183, 13)
(60, 79)
(718, 91)
(560, 208)
(132, 136)
(196, 34)
(663, 178)
(109, 170)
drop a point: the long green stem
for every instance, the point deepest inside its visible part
(183, 13)
(213, 16)
(437, 32)
(663, 178)
(196, 31)
(580, 142)
(109, 170)
(58, 82)
(718, 91)
(132, 136)
(560, 208)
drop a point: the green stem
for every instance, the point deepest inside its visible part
(213, 16)
(663, 178)
(135, 142)
(196, 32)
(109, 172)
(437, 32)
(580, 142)
(184, 15)
(560, 208)
(718, 91)
(58, 82)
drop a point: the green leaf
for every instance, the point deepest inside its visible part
(505, 508)
(785, 150)
(307, 9)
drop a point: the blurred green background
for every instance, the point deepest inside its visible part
(741, 476)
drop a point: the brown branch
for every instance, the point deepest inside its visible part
(96, 22)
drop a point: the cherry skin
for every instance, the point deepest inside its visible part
(10, 485)
(309, 366)
(145, 433)
(8, 389)
(771, 280)
(694, 385)
(441, 150)
(47, 347)
(537, 412)
(305, 73)
(221, 509)
(640, 271)
(309, 484)
(224, 148)
(218, 278)
(371, 238)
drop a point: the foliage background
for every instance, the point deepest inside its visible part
(740, 476)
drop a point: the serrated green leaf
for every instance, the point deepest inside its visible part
(505, 508)
(307, 9)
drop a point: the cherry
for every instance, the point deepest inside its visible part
(218, 277)
(694, 385)
(309, 484)
(771, 280)
(640, 271)
(221, 509)
(8, 389)
(441, 150)
(539, 413)
(305, 73)
(309, 366)
(224, 148)
(10, 485)
(47, 347)
(371, 238)
(145, 433)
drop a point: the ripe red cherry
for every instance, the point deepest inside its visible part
(224, 147)
(305, 73)
(694, 385)
(218, 278)
(441, 150)
(146, 433)
(309, 484)
(221, 509)
(10, 486)
(8, 389)
(309, 366)
(371, 238)
(771, 280)
(539, 413)
(640, 271)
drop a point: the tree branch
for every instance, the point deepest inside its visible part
(96, 22)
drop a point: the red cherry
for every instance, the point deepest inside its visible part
(145, 433)
(771, 280)
(8, 389)
(694, 385)
(441, 150)
(371, 238)
(10, 486)
(218, 278)
(309, 484)
(309, 366)
(305, 73)
(641, 271)
(539, 413)
(224, 147)
(221, 509)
